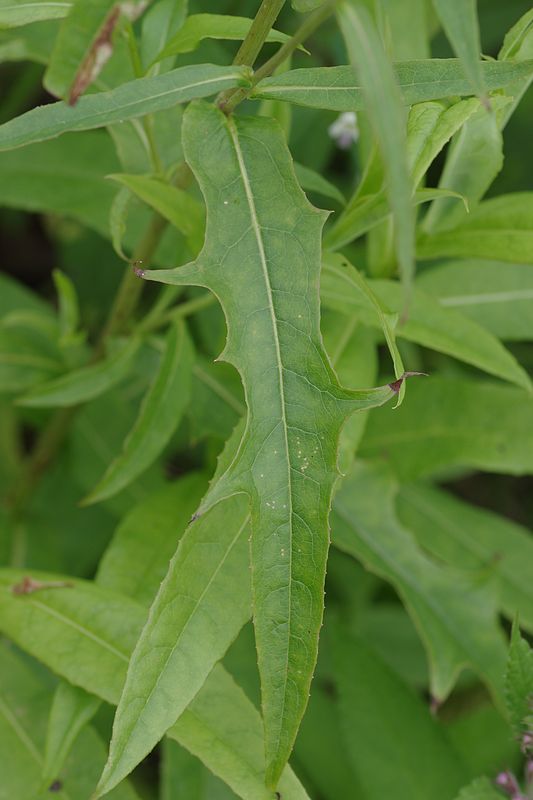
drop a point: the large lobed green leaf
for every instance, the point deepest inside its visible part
(132, 99)
(338, 89)
(262, 260)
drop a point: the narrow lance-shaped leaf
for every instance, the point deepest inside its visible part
(158, 418)
(181, 209)
(132, 99)
(384, 108)
(212, 26)
(72, 708)
(459, 20)
(14, 13)
(262, 260)
(338, 89)
(85, 383)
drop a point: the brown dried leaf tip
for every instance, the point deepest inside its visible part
(28, 586)
(99, 54)
(397, 384)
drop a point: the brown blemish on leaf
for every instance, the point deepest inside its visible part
(28, 586)
(100, 52)
(56, 786)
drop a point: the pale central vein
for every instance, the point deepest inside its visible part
(20, 732)
(262, 255)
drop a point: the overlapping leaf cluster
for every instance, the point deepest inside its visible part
(166, 523)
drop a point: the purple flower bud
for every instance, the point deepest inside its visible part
(508, 783)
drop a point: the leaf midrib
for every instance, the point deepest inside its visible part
(261, 248)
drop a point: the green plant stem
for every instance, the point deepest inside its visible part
(131, 287)
(305, 30)
(249, 50)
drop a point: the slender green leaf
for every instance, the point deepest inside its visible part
(386, 320)
(499, 229)
(286, 461)
(22, 12)
(429, 324)
(137, 559)
(198, 27)
(69, 312)
(459, 20)
(159, 23)
(72, 709)
(451, 422)
(468, 537)
(456, 617)
(425, 141)
(337, 88)
(312, 181)
(85, 383)
(159, 416)
(133, 99)
(117, 219)
(496, 295)
(192, 620)
(180, 208)
(519, 683)
(383, 104)
(480, 789)
(396, 747)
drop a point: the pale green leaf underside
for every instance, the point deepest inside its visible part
(133, 99)
(337, 88)
(73, 629)
(262, 260)
(85, 383)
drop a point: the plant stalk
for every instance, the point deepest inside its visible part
(305, 30)
(253, 42)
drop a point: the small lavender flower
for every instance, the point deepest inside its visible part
(507, 782)
(344, 130)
